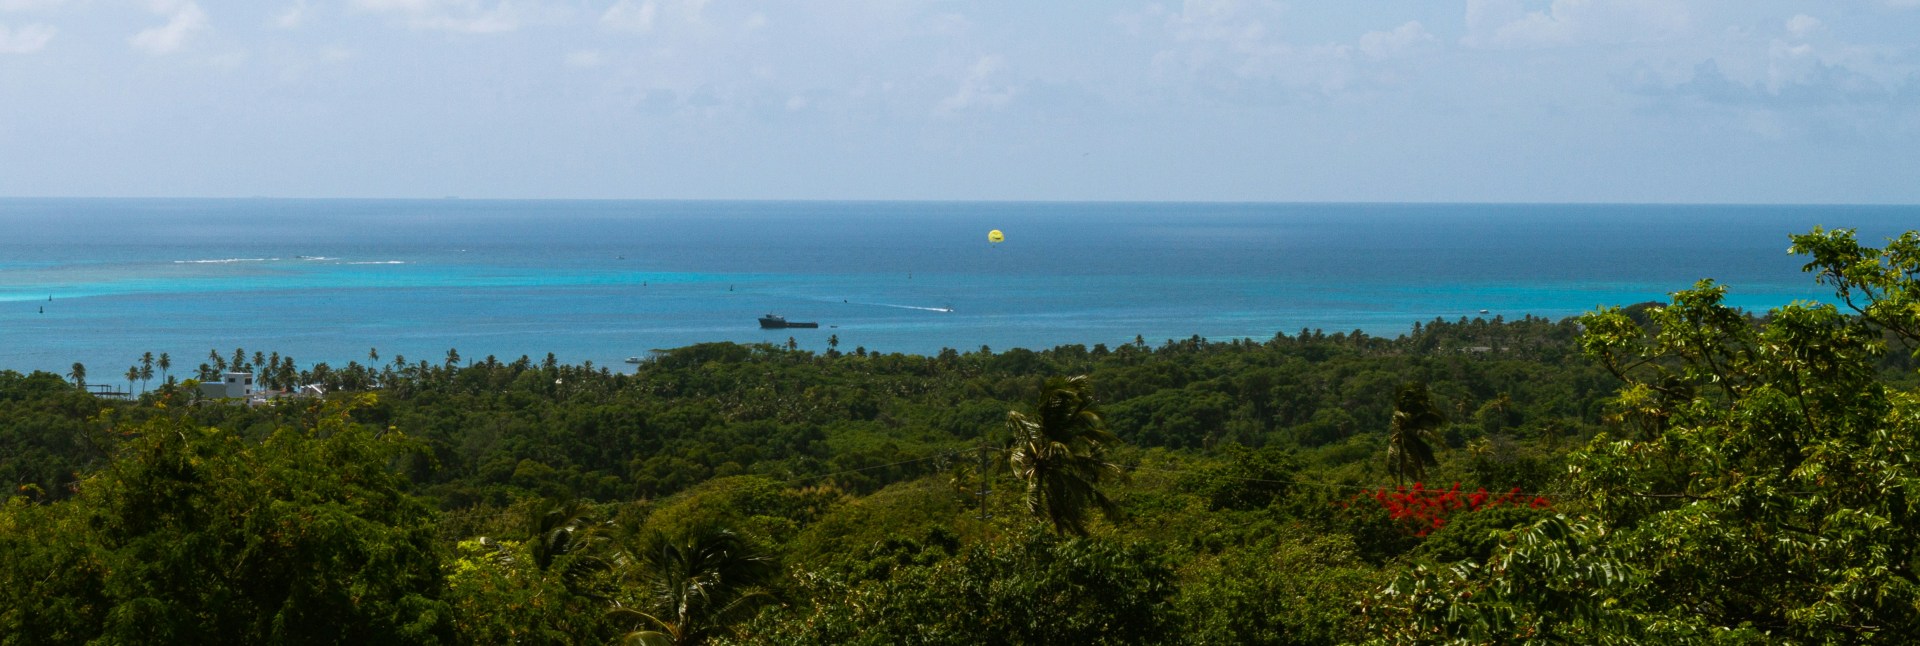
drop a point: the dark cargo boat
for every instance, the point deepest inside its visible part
(775, 322)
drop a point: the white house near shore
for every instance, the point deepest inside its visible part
(234, 385)
(239, 385)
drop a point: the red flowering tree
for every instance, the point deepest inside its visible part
(1761, 486)
(1420, 511)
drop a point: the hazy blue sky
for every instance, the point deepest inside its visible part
(1338, 100)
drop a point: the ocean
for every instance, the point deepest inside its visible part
(102, 281)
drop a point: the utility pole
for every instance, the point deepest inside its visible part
(985, 464)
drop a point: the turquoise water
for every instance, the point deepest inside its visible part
(325, 280)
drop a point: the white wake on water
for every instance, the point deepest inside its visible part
(944, 310)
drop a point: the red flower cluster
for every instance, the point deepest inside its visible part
(1421, 510)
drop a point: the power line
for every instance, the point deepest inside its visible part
(1332, 485)
(1539, 494)
(494, 516)
(1550, 495)
(878, 466)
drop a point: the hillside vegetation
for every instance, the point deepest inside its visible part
(1666, 472)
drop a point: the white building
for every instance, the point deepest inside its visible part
(233, 384)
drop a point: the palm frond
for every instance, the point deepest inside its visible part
(1414, 422)
(1059, 450)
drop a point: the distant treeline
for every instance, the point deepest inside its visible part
(497, 430)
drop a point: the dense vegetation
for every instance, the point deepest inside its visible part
(1672, 472)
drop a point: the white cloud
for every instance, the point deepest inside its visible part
(1801, 25)
(183, 20)
(229, 60)
(413, 6)
(1388, 44)
(29, 5)
(1795, 78)
(293, 16)
(625, 16)
(978, 89)
(642, 17)
(464, 16)
(25, 40)
(950, 24)
(1508, 23)
(1232, 42)
(583, 58)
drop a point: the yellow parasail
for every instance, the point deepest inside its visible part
(995, 236)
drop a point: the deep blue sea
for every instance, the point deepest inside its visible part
(327, 280)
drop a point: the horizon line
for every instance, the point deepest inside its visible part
(455, 198)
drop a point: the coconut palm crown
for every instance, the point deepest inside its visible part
(1410, 445)
(699, 585)
(1059, 450)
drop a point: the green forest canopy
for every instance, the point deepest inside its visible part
(1671, 472)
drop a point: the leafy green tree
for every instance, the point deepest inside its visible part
(1410, 443)
(1029, 588)
(78, 374)
(1767, 492)
(1059, 451)
(697, 586)
(498, 597)
(1245, 478)
(1289, 589)
(195, 534)
(1881, 286)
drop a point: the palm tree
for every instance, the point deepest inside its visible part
(79, 375)
(146, 374)
(1410, 447)
(1060, 451)
(698, 585)
(165, 362)
(133, 375)
(566, 528)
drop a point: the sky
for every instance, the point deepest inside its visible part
(1735, 101)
